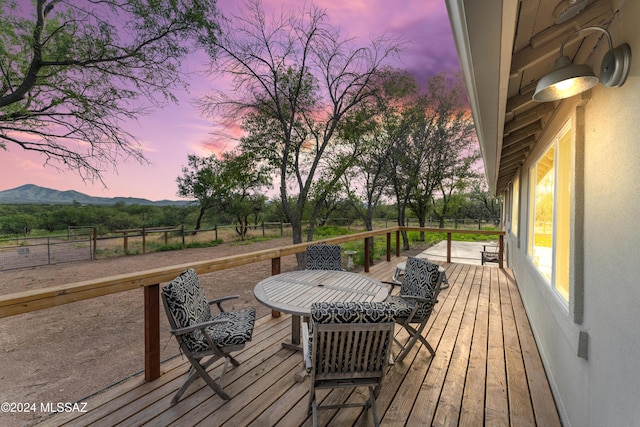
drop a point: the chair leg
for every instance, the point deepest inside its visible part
(444, 281)
(415, 335)
(314, 409)
(199, 370)
(191, 376)
(374, 409)
(233, 361)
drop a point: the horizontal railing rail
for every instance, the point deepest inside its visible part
(39, 299)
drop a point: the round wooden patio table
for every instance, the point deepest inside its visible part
(294, 292)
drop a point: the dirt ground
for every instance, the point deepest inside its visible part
(66, 353)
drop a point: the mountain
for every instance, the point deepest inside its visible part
(33, 194)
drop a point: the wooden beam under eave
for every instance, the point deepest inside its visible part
(521, 134)
(546, 44)
(516, 161)
(522, 102)
(516, 155)
(506, 173)
(530, 116)
(525, 144)
(596, 12)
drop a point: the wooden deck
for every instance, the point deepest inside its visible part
(487, 369)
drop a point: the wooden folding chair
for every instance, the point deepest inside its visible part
(201, 334)
(413, 306)
(349, 346)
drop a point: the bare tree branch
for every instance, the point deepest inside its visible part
(73, 72)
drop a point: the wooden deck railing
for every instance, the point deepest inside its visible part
(39, 299)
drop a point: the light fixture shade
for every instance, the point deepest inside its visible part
(564, 81)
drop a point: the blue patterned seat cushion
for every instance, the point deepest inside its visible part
(323, 257)
(189, 306)
(352, 312)
(420, 280)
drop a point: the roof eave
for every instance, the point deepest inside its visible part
(484, 32)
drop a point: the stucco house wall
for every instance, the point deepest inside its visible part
(591, 346)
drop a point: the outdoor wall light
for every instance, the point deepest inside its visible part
(569, 79)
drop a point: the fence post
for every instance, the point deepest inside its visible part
(182, 232)
(366, 254)
(126, 242)
(48, 251)
(144, 240)
(152, 332)
(388, 247)
(215, 227)
(449, 247)
(95, 242)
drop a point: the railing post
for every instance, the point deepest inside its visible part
(501, 251)
(275, 269)
(388, 247)
(449, 247)
(366, 254)
(144, 240)
(152, 332)
(397, 243)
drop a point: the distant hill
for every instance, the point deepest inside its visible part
(33, 194)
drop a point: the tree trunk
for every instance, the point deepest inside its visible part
(296, 229)
(199, 220)
(401, 220)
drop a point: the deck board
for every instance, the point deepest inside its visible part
(487, 369)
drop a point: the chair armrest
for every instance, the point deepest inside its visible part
(306, 347)
(416, 298)
(182, 331)
(221, 300)
(393, 284)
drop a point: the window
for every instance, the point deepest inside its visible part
(515, 206)
(550, 213)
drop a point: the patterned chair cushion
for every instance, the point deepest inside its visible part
(352, 312)
(189, 306)
(420, 280)
(342, 313)
(323, 257)
(237, 330)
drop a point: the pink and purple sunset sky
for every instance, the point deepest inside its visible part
(171, 134)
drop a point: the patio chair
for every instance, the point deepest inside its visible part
(349, 347)
(489, 253)
(413, 306)
(323, 257)
(204, 337)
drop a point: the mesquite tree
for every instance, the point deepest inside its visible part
(295, 77)
(72, 73)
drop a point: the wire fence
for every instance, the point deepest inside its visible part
(33, 252)
(83, 243)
